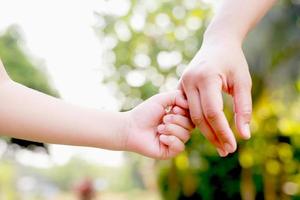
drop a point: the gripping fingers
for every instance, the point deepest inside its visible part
(179, 120)
(180, 111)
(175, 146)
(175, 130)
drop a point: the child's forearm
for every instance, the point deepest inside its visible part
(236, 18)
(31, 115)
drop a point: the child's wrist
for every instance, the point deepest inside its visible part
(129, 142)
(125, 130)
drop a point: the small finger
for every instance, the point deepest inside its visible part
(180, 111)
(173, 129)
(175, 145)
(180, 120)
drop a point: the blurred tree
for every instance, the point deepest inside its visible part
(7, 175)
(21, 69)
(147, 48)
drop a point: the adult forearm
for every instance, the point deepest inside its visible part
(235, 18)
(31, 115)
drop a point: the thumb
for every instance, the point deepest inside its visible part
(243, 105)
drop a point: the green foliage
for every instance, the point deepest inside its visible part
(140, 60)
(151, 45)
(20, 68)
(19, 65)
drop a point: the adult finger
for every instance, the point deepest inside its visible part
(243, 105)
(212, 105)
(199, 120)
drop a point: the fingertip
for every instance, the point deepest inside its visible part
(230, 148)
(245, 132)
(243, 127)
(164, 139)
(180, 111)
(161, 128)
(221, 152)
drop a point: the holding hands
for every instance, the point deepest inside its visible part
(156, 133)
(212, 71)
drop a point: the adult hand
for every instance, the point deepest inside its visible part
(219, 66)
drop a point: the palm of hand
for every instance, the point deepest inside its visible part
(144, 137)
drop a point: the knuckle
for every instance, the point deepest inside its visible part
(178, 119)
(247, 84)
(222, 134)
(205, 77)
(210, 137)
(247, 113)
(169, 129)
(198, 120)
(187, 77)
(245, 110)
(168, 118)
(213, 139)
(200, 75)
(212, 114)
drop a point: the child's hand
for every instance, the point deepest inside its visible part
(155, 133)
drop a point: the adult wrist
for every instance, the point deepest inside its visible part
(218, 34)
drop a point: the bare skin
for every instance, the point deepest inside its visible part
(31, 115)
(220, 66)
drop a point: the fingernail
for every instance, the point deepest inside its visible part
(246, 130)
(228, 148)
(221, 152)
(161, 128)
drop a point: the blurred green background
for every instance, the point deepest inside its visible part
(146, 51)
